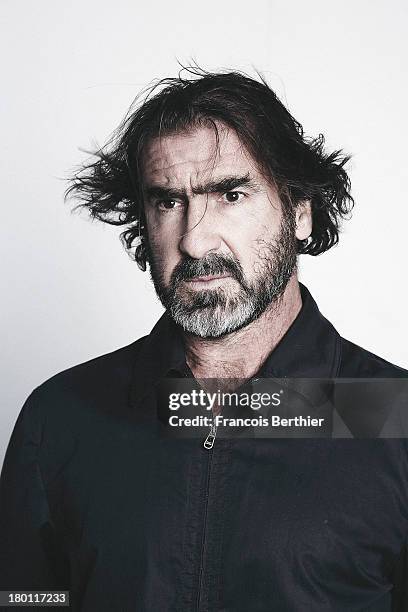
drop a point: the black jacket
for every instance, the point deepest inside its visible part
(96, 501)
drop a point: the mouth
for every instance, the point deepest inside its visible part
(201, 281)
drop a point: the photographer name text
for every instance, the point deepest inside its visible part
(258, 421)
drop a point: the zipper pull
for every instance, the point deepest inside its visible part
(210, 439)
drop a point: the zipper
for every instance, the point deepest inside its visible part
(208, 444)
(210, 439)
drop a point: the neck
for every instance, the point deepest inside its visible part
(240, 355)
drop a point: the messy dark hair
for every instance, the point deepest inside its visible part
(111, 186)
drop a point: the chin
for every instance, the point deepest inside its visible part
(212, 323)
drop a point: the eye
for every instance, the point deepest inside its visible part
(233, 197)
(169, 205)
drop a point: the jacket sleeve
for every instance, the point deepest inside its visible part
(28, 550)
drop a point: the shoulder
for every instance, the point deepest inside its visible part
(79, 403)
(71, 410)
(357, 362)
(93, 382)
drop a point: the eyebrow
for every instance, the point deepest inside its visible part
(227, 183)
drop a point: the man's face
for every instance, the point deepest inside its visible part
(220, 248)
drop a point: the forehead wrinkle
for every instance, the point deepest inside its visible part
(188, 170)
(158, 165)
(161, 148)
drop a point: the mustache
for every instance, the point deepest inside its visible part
(212, 264)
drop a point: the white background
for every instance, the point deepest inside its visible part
(70, 71)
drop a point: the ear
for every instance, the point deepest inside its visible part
(304, 223)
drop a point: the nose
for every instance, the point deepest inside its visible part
(202, 234)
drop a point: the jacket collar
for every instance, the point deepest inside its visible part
(309, 349)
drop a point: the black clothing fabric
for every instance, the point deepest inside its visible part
(95, 501)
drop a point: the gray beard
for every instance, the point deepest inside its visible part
(213, 313)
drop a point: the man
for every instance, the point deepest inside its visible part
(221, 192)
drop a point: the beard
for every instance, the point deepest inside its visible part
(213, 313)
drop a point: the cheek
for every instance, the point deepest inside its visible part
(163, 231)
(164, 247)
(249, 242)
